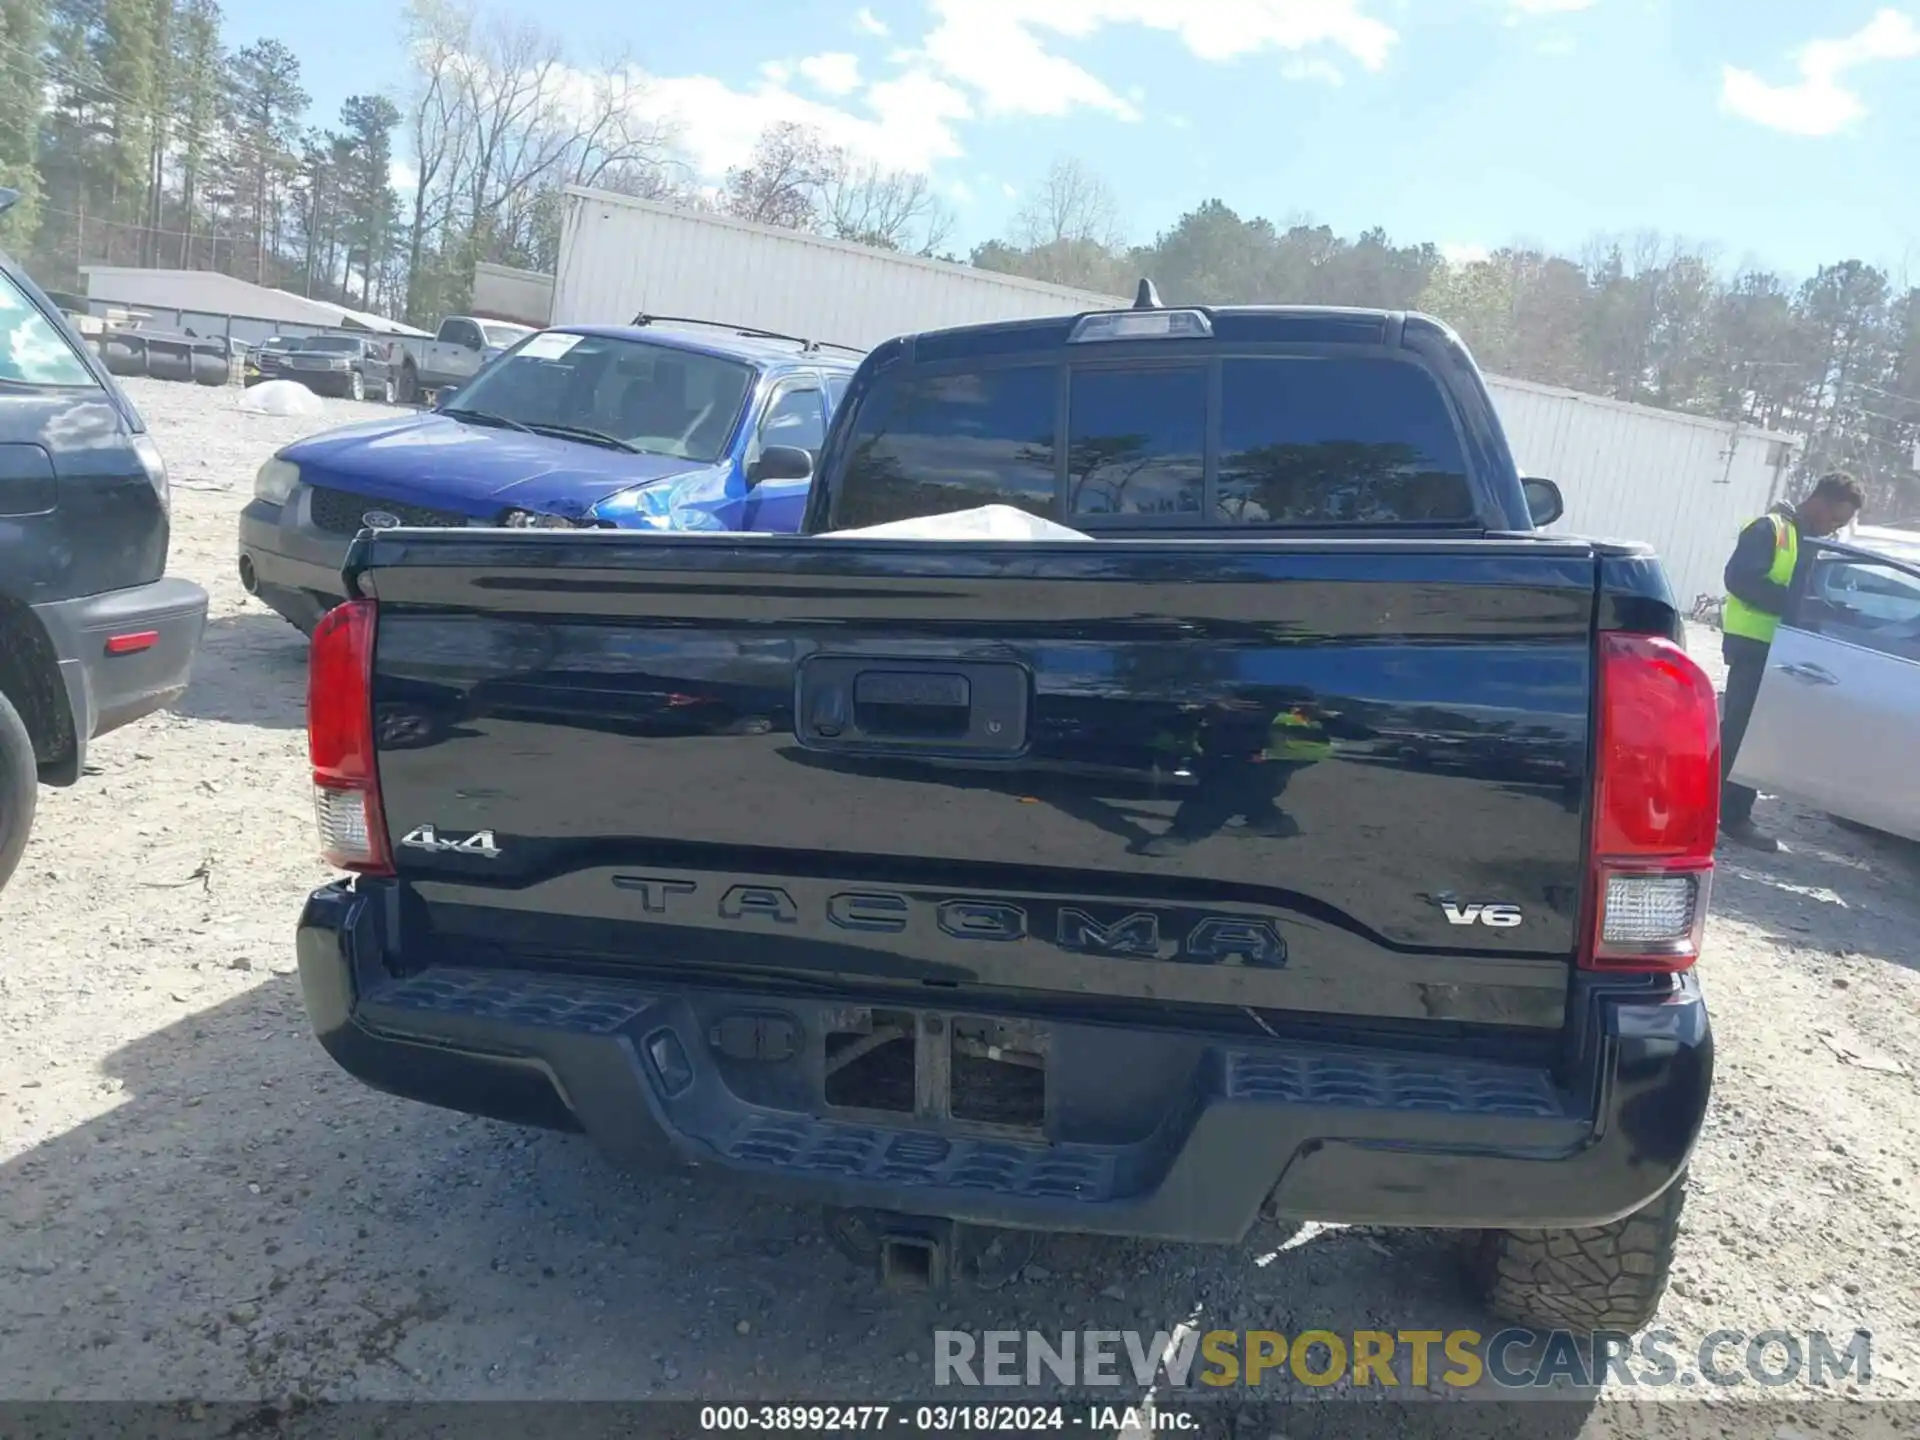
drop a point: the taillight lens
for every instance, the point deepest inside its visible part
(346, 779)
(1656, 807)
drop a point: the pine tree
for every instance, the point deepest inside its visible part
(23, 36)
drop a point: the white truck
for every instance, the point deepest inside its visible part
(424, 368)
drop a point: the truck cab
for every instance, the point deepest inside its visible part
(456, 353)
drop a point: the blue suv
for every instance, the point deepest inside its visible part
(642, 426)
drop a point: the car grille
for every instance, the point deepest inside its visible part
(339, 512)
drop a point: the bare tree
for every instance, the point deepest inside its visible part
(440, 34)
(1072, 206)
(782, 184)
(888, 209)
(617, 147)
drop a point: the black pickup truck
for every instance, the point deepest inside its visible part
(1316, 841)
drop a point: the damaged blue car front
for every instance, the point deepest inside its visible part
(643, 426)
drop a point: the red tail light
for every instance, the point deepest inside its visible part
(346, 779)
(1656, 807)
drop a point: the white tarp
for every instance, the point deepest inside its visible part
(988, 522)
(281, 397)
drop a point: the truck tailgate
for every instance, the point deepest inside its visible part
(1335, 777)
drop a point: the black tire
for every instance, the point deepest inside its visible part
(1604, 1277)
(19, 788)
(386, 391)
(356, 386)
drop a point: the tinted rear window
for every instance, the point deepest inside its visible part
(1331, 442)
(1137, 442)
(952, 442)
(1303, 441)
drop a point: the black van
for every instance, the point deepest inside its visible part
(93, 633)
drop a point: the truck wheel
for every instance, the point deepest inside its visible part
(1604, 1277)
(356, 386)
(19, 787)
(386, 391)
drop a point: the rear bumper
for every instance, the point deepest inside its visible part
(107, 690)
(1351, 1136)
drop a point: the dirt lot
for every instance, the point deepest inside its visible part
(193, 1201)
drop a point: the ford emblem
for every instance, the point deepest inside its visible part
(380, 520)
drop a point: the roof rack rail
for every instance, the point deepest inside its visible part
(747, 330)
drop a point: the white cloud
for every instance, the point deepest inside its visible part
(404, 176)
(960, 192)
(1818, 104)
(1522, 8)
(996, 47)
(1463, 253)
(909, 124)
(981, 58)
(837, 73)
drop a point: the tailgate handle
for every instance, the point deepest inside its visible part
(957, 707)
(913, 704)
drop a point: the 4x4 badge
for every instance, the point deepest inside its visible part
(427, 838)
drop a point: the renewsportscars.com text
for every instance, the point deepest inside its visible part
(1512, 1359)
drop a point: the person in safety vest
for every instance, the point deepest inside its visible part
(1759, 578)
(1247, 752)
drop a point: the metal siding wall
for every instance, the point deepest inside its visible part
(1633, 473)
(619, 259)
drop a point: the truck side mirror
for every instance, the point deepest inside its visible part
(782, 462)
(1544, 502)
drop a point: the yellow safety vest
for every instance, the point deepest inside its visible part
(1750, 622)
(1295, 737)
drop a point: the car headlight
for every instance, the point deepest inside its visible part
(531, 520)
(275, 481)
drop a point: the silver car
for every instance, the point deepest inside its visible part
(1837, 722)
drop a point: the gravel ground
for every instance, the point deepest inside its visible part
(193, 1202)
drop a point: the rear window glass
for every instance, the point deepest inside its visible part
(1304, 441)
(1137, 442)
(952, 442)
(1330, 442)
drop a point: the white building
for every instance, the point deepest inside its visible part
(210, 303)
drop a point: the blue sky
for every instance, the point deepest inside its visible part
(1782, 134)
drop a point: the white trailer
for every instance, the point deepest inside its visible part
(621, 257)
(1682, 484)
(500, 292)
